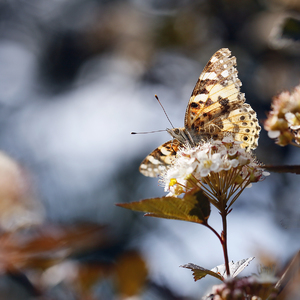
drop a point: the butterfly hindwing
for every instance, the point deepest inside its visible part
(159, 159)
(243, 125)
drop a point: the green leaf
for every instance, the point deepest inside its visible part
(200, 203)
(199, 272)
(193, 207)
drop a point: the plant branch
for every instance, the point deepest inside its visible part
(224, 240)
(214, 231)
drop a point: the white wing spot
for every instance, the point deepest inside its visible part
(225, 73)
(165, 151)
(211, 75)
(214, 59)
(153, 160)
(200, 97)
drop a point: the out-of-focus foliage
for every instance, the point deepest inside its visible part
(19, 206)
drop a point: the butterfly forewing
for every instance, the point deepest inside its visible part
(216, 108)
(216, 103)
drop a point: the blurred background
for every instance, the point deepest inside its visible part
(76, 77)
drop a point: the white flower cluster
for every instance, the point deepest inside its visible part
(192, 164)
(244, 288)
(283, 123)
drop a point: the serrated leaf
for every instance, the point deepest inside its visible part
(193, 207)
(237, 267)
(199, 272)
(283, 169)
(219, 271)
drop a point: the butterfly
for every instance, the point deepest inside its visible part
(216, 108)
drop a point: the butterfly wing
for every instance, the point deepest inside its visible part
(217, 107)
(242, 124)
(159, 159)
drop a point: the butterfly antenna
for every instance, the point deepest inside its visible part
(163, 109)
(145, 132)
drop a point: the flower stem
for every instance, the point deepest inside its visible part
(224, 240)
(214, 231)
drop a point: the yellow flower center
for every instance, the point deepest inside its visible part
(207, 164)
(172, 182)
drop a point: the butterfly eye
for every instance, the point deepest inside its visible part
(176, 131)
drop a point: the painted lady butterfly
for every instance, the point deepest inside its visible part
(216, 108)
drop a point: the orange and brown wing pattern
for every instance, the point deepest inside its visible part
(217, 91)
(243, 126)
(158, 160)
(217, 107)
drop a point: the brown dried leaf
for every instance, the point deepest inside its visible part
(19, 206)
(47, 245)
(131, 271)
(90, 273)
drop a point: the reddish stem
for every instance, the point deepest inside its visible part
(224, 240)
(214, 231)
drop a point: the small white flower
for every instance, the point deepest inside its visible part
(273, 134)
(292, 120)
(289, 116)
(227, 165)
(243, 160)
(234, 163)
(266, 275)
(228, 139)
(232, 152)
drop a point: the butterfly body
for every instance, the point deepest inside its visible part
(216, 108)
(183, 136)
